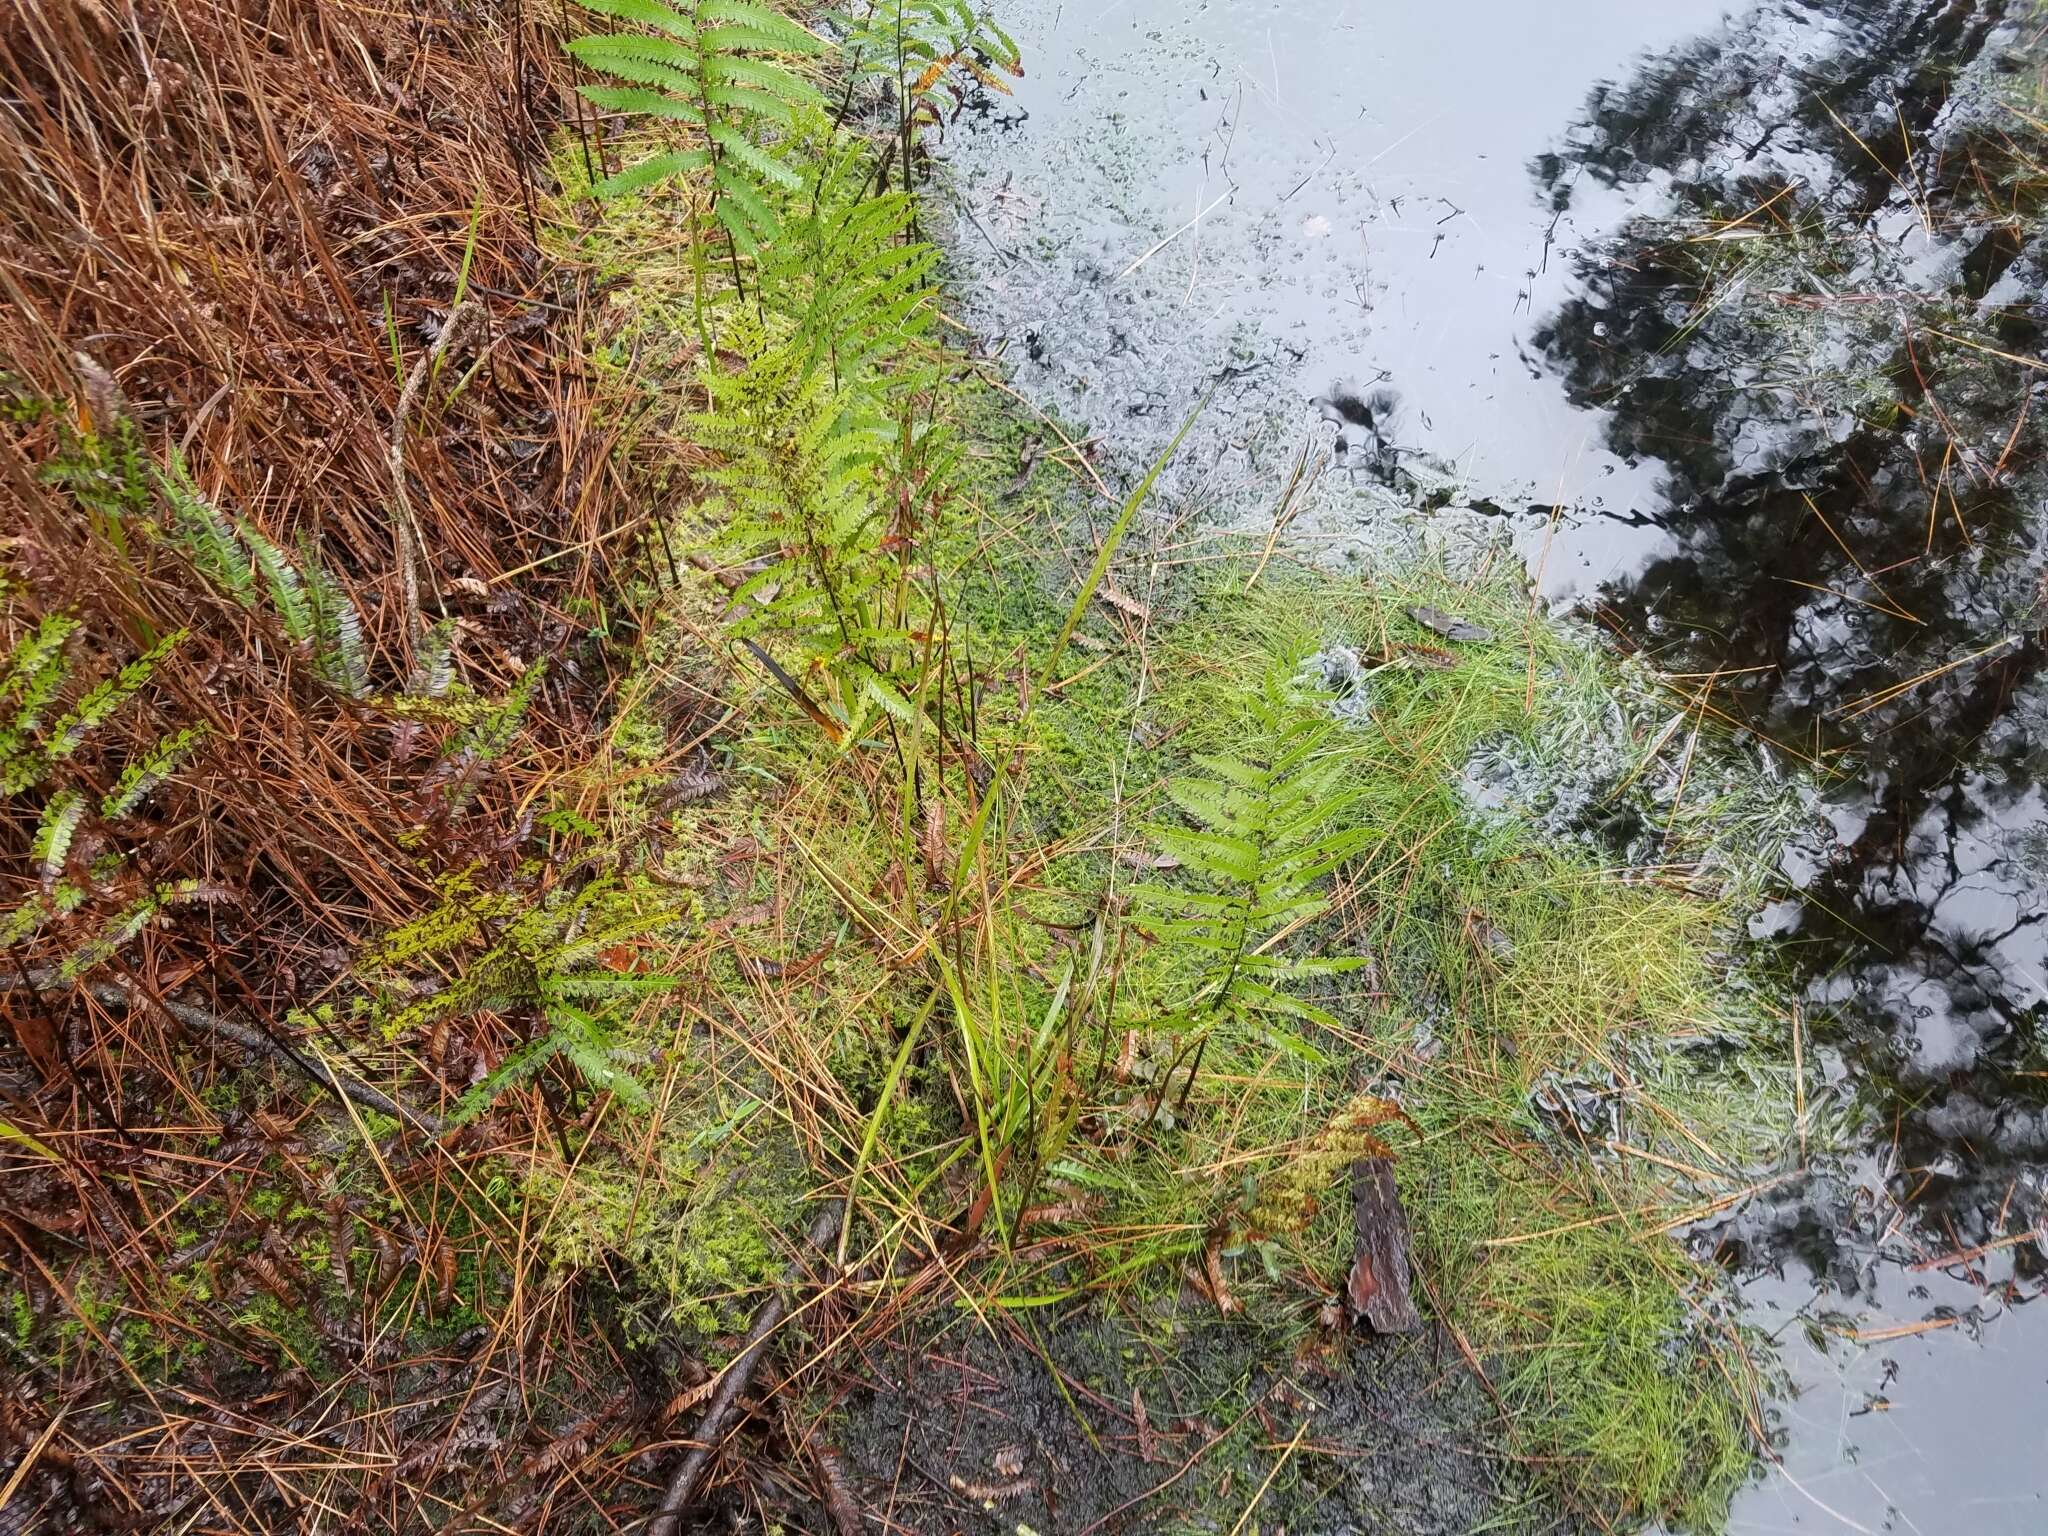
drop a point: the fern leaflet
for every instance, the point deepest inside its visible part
(1268, 827)
(722, 66)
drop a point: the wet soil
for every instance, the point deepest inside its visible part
(998, 1427)
(1502, 270)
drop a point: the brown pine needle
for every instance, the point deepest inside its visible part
(1857, 708)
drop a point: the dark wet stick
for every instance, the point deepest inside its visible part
(682, 1488)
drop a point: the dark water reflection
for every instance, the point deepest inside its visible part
(1853, 480)
(1855, 489)
(1759, 298)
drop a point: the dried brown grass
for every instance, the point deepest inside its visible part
(232, 214)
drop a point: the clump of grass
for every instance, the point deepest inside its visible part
(1620, 1383)
(1501, 961)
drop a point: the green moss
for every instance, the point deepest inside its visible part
(699, 1229)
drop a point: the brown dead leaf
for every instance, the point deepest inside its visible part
(937, 858)
(1212, 1265)
(688, 1398)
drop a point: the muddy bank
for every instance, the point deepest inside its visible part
(1170, 1421)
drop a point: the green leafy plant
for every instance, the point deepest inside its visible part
(570, 957)
(312, 607)
(106, 471)
(854, 286)
(36, 672)
(927, 50)
(69, 854)
(798, 486)
(722, 67)
(1268, 824)
(117, 484)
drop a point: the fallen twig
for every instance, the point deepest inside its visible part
(249, 1037)
(682, 1488)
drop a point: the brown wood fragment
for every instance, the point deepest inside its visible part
(1212, 1266)
(1377, 1292)
(837, 1489)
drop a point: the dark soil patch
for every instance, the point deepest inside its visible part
(964, 1427)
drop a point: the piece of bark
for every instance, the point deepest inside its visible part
(1377, 1292)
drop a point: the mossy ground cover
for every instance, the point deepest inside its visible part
(1513, 977)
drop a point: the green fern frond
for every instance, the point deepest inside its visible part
(461, 914)
(1269, 825)
(522, 1066)
(205, 534)
(645, 103)
(100, 701)
(744, 215)
(51, 845)
(740, 69)
(651, 61)
(35, 674)
(588, 1045)
(144, 773)
(281, 582)
(539, 957)
(722, 66)
(646, 13)
(29, 666)
(433, 669)
(759, 27)
(25, 921)
(920, 42)
(652, 172)
(119, 931)
(339, 654)
(847, 274)
(486, 738)
(610, 986)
